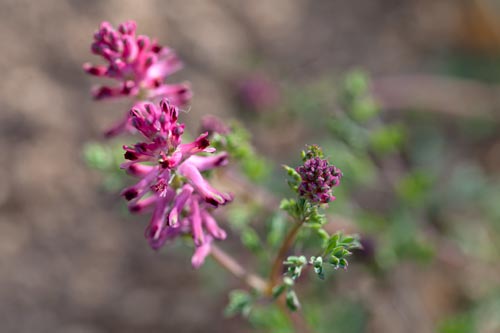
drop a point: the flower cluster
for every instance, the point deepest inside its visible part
(318, 177)
(171, 181)
(139, 64)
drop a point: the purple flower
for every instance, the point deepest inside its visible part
(139, 64)
(258, 93)
(171, 182)
(213, 124)
(318, 177)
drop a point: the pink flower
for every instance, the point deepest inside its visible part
(171, 181)
(139, 64)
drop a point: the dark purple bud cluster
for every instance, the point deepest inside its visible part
(318, 179)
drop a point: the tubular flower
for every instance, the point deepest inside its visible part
(171, 182)
(139, 64)
(318, 179)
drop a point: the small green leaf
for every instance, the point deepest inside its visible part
(291, 207)
(292, 301)
(278, 290)
(317, 263)
(276, 230)
(334, 261)
(323, 234)
(292, 173)
(251, 240)
(294, 260)
(356, 83)
(363, 109)
(338, 251)
(332, 243)
(312, 152)
(348, 239)
(343, 263)
(239, 302)
(295, 265)
(288, 281)
(388, 139)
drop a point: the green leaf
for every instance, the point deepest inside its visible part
(334, 261)
(332, 242)
(292, 301)
(295, 265)
(317, 263)
(343, 263)
(338, 251)
(292, 173)
(276, 230)
(313, 216)
(348, 239)
(255, 168)
(278, 290)
(356, 83)
(289, 206)
(415, 187)
(288, 281)
(363, 109)
(294, 260)
(323, 233)
(237, 143)
(250, 239)
(239, 302)
(295, 180)
(388, 139)
(312, 152)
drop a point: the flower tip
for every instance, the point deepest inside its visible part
(129, 155)
(214, 201)
(220, 234)
(102, 92)
(200, 255)
(130, 193)
(173, 218)
(155, 245)
(196, 262)
(135, 208)
(222, 160)
(202, 141)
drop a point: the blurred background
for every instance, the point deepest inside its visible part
(420, 155)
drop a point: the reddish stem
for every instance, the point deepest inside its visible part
(229, 263)
(277, 267)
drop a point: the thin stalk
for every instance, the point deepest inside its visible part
(280, 257)
(230, 264)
